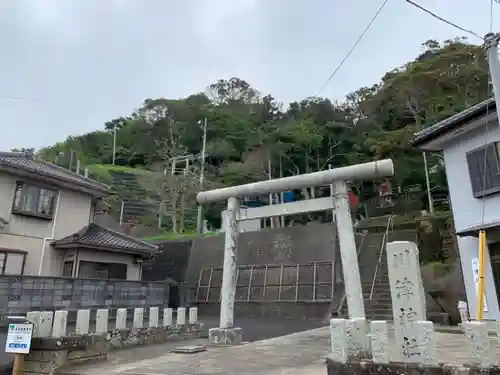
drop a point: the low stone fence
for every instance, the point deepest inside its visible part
(359, 348)
(53, 345)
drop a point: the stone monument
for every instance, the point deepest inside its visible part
(408, 297)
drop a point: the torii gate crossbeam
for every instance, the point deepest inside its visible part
(338, 177)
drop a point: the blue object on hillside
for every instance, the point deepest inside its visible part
(252, 202)
(288, 196)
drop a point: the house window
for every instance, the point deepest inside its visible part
(93, 270)
(68, 269)
(484, 170)
(34, 200)
(11, 263)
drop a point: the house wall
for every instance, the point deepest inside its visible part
(469, 212)
(28, 233)
(134, 270)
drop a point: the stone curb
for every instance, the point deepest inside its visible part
(458, 330)
(448, 329)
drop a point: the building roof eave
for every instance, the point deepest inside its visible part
(424, 137)
(21, 163)
(99, 237)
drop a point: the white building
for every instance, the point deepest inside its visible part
(47, 225)
(470, 145)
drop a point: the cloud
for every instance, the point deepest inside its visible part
(67, 21)
(219, 17)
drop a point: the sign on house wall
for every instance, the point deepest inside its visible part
(475, 273)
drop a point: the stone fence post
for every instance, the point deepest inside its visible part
(56, 344)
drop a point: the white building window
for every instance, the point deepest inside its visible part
(11, 263)
(484, 170)
(34, 200)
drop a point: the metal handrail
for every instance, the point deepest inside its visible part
(384, 239)
(344, 296)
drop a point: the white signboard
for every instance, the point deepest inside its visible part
(475, 273)
(19, 338)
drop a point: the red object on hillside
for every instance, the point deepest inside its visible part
(384, 189)
(353, 199)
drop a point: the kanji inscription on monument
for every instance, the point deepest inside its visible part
(408, 297)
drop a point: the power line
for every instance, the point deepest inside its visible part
(443, 19)
(367, 27)
(14, 97)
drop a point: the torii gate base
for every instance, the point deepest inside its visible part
(226, 333)
(225, 336)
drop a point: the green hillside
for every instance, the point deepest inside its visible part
(248, 131)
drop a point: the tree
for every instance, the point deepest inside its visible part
(252, 136)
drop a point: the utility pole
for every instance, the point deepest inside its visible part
(491, 47)
(332, 194)
(199, 221)
(282, 194)
(428, 183)
(72, 155)
(418, 123)
(114, 144)
(269, 175)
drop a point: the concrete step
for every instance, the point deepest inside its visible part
(377, 291)
(373, 315)
(378, 302)
(383, 283)
(376, 297)
(377, 288)
(379, 306)
(377, 294)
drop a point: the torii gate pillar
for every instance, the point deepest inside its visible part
(226, 333)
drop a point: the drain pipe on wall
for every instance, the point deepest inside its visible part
(53, 233)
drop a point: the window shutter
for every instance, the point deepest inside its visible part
(484, 170)
(493, 163)
(489, 165)
(475, 172)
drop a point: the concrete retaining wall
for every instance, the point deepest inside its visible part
(300, 245)
(313, 311)
(293, 245)
(170, 262)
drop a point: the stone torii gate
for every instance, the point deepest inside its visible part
(227, 333)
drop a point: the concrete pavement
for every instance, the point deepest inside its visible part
(253, 330)
(273, 349)
(298, 353)
(5, 359)
(301, 352)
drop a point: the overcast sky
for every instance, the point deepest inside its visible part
(70, 65)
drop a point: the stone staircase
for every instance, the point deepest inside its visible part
(379, 307)
(135, 198)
